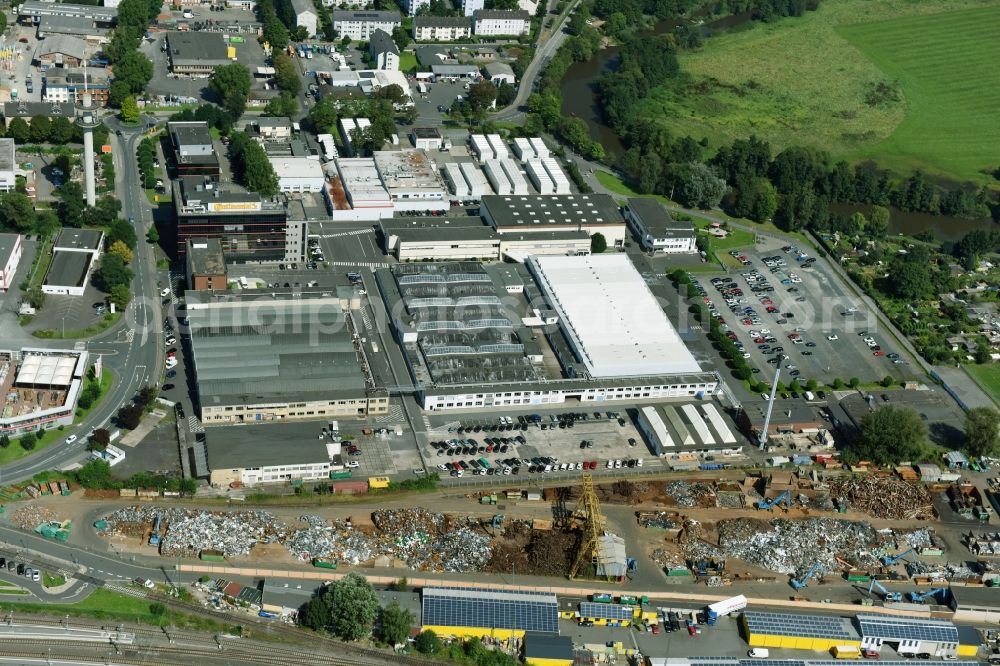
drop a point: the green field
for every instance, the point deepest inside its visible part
(988, 376)
(810, 81)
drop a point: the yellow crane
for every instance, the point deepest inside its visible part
(593, 530)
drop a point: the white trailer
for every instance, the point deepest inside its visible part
(518, 184)
(523, 149)
(481, 147)
(555, 172)
(474, 178)
(498, 146)
(456, 181)
(540, 177)
(540, 148)
(347, 126)
(726, 607)
(498, 179)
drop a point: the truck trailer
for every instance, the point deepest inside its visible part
(725, 607)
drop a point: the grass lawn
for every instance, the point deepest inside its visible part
(408, 61)
(614, 184)
(805, 81)
(107, 321)
(988, 376)
(48, 580)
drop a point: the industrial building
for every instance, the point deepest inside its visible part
(32, 11)
(426, 138)
(68, 85)
(293, 451)
(519, 246)
(193, 149)
(298, 174)
(250, 228)
(788, 416)
(736, 661)
(205, 264)
(61, 51)
(472, 343)
(11, 249)
(39, 388)
(196, 53)
(357, 191)
(74, 254)
(383, 51)
(547, 650)
(441, 28)
(92, 30)
(468, 612)
(606, 615)
(593, 213)
(913, 636)
(361, 25)
(657, 230)
(411, 181)
(671, 428)
(439, 239)
(499, 73)
(611, 318)
(800, 632)
(8, 166)
(980, 605)
(494, 22)
(271, 356)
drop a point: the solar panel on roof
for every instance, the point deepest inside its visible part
(607, 611)
(942, 632)
(465, 607)
(805, 626)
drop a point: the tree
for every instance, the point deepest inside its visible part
(130, 110)
(132, 72)
(401, 37)
(61, 131)
(4, 441)
(71, 204)
(153, 236)
(112, 272)
(482, 95)
(695, 185)
(392, 93)
(17, 213)
(395, 624)
(285, 105)
(252, 167)
(427, 642)
(982, 431)
(878, 222)
(129, 416)
(28, 440)
(122, 250)
(121, 296)
(598, 243)
(94, 474)
(39, 131)
(854, 382)
(286, 76)
(354, 607)
(18, 130)
(315, 613)
(157, 609)
(506, 94)
(889, 435)
(909, 279)
(324, 115)
(231, 83)
(118, 229)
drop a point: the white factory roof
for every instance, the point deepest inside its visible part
(362, 183)
(297, 167)
(611, 317)
(46, 369)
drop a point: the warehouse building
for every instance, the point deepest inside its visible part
(88, 28)
(426, 138)
(196, 53)
(519, 246)
(481, 613)
(61, 51)
(250, 228)
(32, 11)
(547, 650)
(293, 451)
(411, 181)
(980, 605)
(657, 230)
(606, 615)
(205, 264)
(439, 239)
(262, 357)
(593, 213)
(611, 318)
(913, 636)
(39, 388)
(298, 174)
(357, 191)
(11, 249)
(74, 255)
(28, 110)
(798, 632)
(788, 416)
(687, 428)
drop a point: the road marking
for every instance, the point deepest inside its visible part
(359, 264)
(356, 232)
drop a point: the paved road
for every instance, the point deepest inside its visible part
(131, 349)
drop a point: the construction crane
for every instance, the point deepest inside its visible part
(590, 546)
(817, 569)
(768, 504)
(886, 594)
(889, 560)
(921, 597)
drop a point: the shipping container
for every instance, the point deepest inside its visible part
(540, 177)
(378, 482)
(474, 178)
(341, 474)
(499, 147)
(517, 181)
(523, 149)
(498, 179)
(846, 652)
(456, 181)
(481, 147)
(324, 564)
(352, 487)
(211, 555)
(541, 150)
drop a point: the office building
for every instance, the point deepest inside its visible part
(193, 150)
(8, 165)
(441, 28)
(497, 22)
(411, 180)
(11, 249)
(593, 213)
(298, 174)
(196, 53)
(278, 355)
(361, 25)
(68, 85)
(205, 264)
(39, 388)
(657, 230)
(74, 255)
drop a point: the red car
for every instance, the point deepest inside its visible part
(878, 353)
(656, 629)
(869, 654)
(771, 309)
(747, 322)
(758, 341)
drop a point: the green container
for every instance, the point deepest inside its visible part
(678, 572)
(341, 474)
(858, 578)
(101, 524)
(324, 564)
(235, 40)
(211, 556)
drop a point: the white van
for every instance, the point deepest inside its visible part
(759, 653)
(244, 284)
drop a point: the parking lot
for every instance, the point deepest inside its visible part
(784, 310)
(528, 444)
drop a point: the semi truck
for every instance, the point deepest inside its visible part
(725, 607)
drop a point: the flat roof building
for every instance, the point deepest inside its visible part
(11, 249)
(593, 213)
(205, 264)
(441, 28)
(33, 10)
(611, 317)
(657, 230)
(479, 613)
(196, 53)
(440, 239)
(788, 416)
(29, 110)
(547, 650)
(74, 254)
(91, 29)
(277, 355)
(361, 25)
(7, 165)
(411, 180)
(67, 85)
(278, 452)
(298, 174)
(193, 149)
(40, 388)
(357, 191)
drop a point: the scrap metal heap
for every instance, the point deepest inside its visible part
(885, 497)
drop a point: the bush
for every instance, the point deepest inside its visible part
(855, 382)
(157, 609)
(28, 441)
(838, 383)
(887, 381)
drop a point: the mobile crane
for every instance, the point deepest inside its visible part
(785, 497)
(889, 560)
(886, 594)
(936, 594)
(817, 569)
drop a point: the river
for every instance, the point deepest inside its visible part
(943, 228)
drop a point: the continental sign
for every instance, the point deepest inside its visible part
(235, 205)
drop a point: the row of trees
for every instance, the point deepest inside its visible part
(251, 166)
(96, 475)
(379, 110)
(59, 131)
(133, 70)
(146, 154)
(231, 83)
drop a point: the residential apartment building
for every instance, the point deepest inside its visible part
(383, 51)
(361, 25)
(441, 28)
(496, 22)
